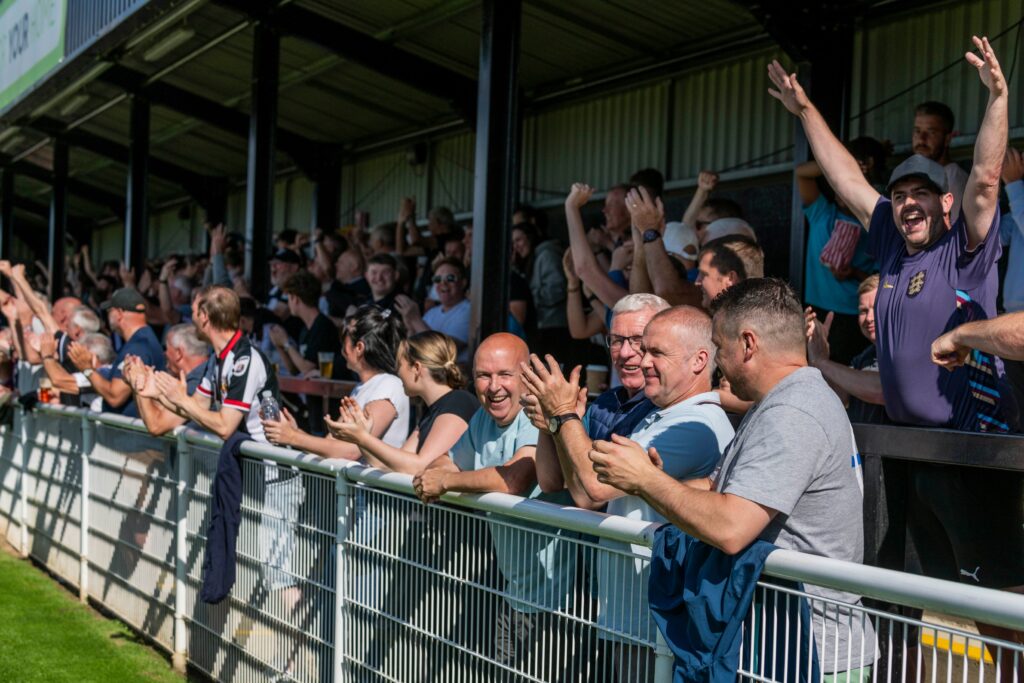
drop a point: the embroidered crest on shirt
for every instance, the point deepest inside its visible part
(241, 365)
(916, 283)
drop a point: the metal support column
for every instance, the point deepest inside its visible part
(259, 192)
(497, 154)
(137, 192)
(6, 213)
(327, 196)
(58, 219)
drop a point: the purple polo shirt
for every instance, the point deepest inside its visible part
(920, 297)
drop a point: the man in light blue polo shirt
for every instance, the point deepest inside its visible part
(496, 454)
(689, 430)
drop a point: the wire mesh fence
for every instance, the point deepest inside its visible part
(341, 575)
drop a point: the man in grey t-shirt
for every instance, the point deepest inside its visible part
(791, 476)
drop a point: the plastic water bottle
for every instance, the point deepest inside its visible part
(269, 409)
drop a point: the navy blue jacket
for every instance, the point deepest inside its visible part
(699, 598)
(226, 515)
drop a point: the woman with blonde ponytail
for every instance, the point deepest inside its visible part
(427, 365)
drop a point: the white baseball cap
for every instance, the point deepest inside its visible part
(723, 227)
(681, 239)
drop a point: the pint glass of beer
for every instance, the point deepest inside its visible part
(326, 359)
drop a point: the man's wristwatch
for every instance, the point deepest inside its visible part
(88, 372)
(555, 423)
(651, 235)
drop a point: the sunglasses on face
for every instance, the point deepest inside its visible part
(445, 278)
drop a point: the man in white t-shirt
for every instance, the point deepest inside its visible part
(689, 430)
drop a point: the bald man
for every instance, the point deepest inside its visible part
(496, 453)
(689, 431)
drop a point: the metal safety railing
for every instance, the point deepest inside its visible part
(343, 575)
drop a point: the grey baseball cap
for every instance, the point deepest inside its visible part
(921, 167)
(127, 299)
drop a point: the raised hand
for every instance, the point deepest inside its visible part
(1013, 165)
(174, 389)
(817, 336)
(622, 257)
(787, 89)
(531, 406)
(5, 268)
(557, 396)
(989, 72)
(646, 214)
(127, 275)
(47, 345)
(352, 425)
(579, 195)
(168, 268)
(707, 181)
(218, 239)
(81, 357)
(407, 308)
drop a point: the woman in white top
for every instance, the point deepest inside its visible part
(371, 339)
(428, 368)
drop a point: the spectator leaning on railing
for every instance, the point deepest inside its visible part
(497, 453)
(429, 370)
(688, 429)
(786, 477)
(126, 312)
(185, 352)
(371, 339)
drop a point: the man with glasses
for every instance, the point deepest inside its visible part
(687, 429)
(451, 316)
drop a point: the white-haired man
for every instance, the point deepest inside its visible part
(689, 430)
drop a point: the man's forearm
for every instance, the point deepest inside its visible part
(703, 514)
(574, 446)
(1002, 336)
(487, 480)
(210, 420)
(549, 471)
(990, 145)
(667, 282)
(62, 380)
(110, 392)
(863, 384)
(693, 208)
(840, 168)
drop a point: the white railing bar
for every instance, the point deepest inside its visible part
(572, 519)
(946, 597)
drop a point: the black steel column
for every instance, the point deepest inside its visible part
(497, 163)
(327, 196)
(259, 192)
(137, 192)
(6, 213)
(58, 219)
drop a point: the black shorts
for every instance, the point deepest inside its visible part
(967, 523)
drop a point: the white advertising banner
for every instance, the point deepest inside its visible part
(31, 43)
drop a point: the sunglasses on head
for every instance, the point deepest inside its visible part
(445, 278)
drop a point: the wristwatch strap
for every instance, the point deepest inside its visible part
(651, 235)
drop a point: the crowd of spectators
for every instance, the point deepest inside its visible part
(672, 317)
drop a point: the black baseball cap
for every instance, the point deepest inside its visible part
(127, 299)
(286, 256)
